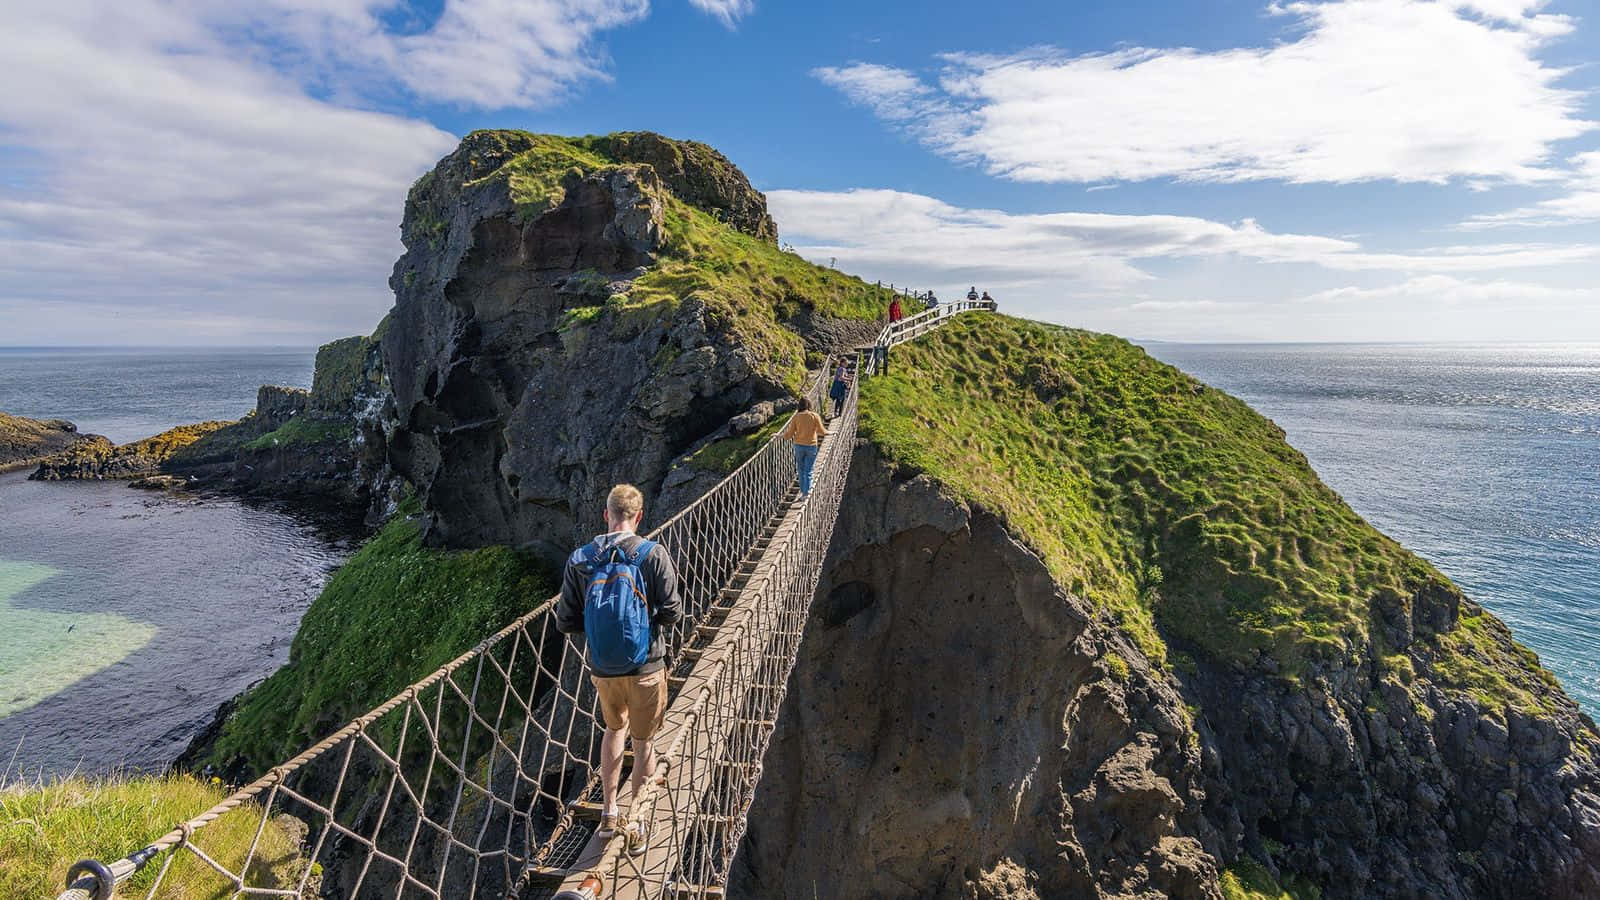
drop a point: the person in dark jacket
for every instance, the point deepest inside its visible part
(840, 389)
(632, 703)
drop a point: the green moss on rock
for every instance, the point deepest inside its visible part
(1249, 880)
(304, 431)
(342, 374)
(718, 244)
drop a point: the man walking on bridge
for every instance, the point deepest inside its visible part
(620, 590)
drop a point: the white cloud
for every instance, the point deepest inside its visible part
(488, 54)
(1441, 291)
(908, 237)
(1581, 204)
(1189, 278)
(1427, 308)
(210, 163)
(728, 12)
(1409, 90)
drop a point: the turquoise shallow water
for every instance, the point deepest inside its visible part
(1485, 460)
(127, 617)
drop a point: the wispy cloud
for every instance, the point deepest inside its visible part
(223, 164)
(728, 12)
(904, 235)
(1446, 291)
(1406, 90)
(1580, 203)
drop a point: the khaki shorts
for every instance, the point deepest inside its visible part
(639, 699)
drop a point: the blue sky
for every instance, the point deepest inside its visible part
(202, 171)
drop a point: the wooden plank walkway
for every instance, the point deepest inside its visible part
(717, 659)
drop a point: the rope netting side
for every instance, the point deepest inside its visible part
(454, 785)
(467, 779)
(716, 736)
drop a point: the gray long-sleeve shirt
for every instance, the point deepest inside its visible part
(660, 590)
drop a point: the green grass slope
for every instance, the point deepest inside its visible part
(1174, 507)
(395, 612)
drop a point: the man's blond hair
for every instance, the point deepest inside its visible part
(624, 502)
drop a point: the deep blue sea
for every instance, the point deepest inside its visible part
(127, 394)
(1485, 460)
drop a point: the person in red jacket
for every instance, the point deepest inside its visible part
(894, 310)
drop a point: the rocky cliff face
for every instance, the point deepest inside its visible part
(551, 335)
(966, 720)
(959, 726)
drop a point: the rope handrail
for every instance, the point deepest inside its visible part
(484, 765)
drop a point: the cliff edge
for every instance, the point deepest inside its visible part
(1091, 628)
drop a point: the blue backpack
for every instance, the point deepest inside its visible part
(616, 617)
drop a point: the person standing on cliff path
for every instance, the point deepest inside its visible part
(620, 591)
(895, 314)
(805, 428)
(972, 294)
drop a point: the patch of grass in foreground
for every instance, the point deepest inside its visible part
(45, 828)
(395, 612)
(1157, 499)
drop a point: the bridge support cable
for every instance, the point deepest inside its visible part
(480, 780)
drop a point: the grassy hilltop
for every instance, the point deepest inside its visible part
(1173, 506)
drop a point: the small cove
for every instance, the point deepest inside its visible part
(127, 617)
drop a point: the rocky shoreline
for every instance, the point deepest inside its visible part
(25, 442)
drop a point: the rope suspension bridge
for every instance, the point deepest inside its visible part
(483, 779)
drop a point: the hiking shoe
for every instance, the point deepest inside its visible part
(638, 838)
(609, 826)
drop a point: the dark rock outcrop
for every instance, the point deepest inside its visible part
(97, 457)
(959, 726)
(519, 398)
(699, 175)
(24, 441)
(325, 446)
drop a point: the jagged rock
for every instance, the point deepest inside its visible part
(97, 458)
(701, 176)
(959, 726)
(513, 419)
(276, 405)
(753, 418)
(26, 441)
(952, 707)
